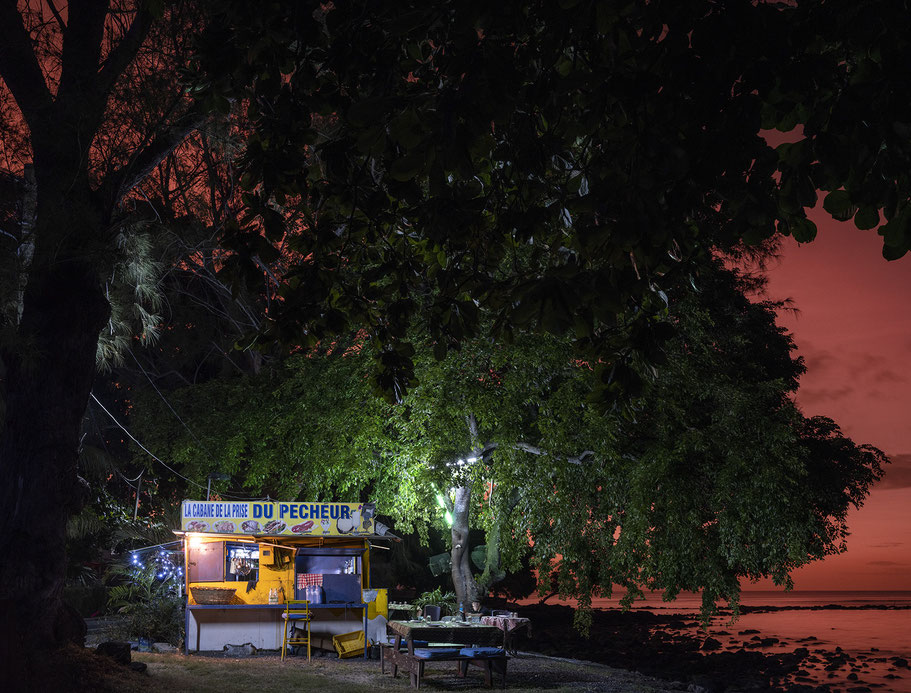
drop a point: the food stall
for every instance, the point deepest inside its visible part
(245, 559)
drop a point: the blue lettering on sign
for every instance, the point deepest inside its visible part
(266, 511)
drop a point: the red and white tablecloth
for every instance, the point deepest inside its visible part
(506, 623)
(307, 579)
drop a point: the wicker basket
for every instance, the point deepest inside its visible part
(213, 595)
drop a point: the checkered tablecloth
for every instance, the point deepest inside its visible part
(307, 579)
(506, 623)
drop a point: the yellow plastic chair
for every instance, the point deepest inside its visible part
(296, 614)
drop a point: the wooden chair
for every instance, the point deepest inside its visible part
(297, 614)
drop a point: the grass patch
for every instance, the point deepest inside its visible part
(261, 673)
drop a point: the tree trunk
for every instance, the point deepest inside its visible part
(50, 364)
(466, 588)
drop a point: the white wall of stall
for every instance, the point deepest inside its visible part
(212, 628)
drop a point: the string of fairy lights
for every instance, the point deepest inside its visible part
(165, 563)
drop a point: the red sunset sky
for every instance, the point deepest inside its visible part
(853, 328)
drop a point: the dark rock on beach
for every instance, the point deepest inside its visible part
(653, 644)
(678, 650)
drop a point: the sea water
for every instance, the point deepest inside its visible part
(868, 624)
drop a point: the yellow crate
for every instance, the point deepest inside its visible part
(349, 644)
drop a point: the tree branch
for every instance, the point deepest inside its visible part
(146, 159)
(20, 70)
(60, 22)
(124, 52)
(535, 450)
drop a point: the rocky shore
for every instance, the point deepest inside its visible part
(672, 647)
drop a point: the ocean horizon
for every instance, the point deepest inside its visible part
(872, 627)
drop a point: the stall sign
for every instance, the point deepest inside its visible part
(291, 519)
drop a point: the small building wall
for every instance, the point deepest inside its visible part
(249, 618)
(210, 629)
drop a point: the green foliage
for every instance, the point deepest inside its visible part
(717, 479)
(446, 600)
(151, 606)
(712, 478)
(134, 295)
(307, 428)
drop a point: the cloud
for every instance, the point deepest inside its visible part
(816, 360)
(813, 395)
(887, 563)
(886, 375)
(839, 375)
(887, 545)
(898, 474)
(872, 368)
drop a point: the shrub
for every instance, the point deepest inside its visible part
(150, 604)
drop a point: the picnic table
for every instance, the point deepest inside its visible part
(509, 625)
(434, 634)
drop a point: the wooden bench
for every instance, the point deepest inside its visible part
(384, 646)
(448, 641)
(491, 662)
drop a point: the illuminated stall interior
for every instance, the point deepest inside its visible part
(237, 584)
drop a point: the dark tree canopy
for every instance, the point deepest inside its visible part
(427, 146)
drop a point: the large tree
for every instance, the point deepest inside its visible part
(91, 90)
(713, 477)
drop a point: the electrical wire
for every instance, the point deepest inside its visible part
(168, 405)
(161, 462)
(183, 423)
(123, 476)
(144, 448)
(155, 546)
